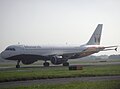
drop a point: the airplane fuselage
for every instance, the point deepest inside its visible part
(16, 52)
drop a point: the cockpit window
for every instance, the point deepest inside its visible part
(10, 49)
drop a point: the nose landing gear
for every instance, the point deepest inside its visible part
(18, 64)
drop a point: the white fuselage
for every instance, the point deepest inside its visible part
(45, 50)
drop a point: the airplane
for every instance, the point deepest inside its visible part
(56, 54)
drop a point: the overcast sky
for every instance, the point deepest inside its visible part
(55, 22)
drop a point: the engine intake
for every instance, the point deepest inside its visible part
(58, 60)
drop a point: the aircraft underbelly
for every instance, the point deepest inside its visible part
(25, 57)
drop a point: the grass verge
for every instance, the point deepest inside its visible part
(57, 72)
(113, 84)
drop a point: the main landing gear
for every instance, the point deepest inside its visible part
(46, 64)
(18, 64)
(66, 64)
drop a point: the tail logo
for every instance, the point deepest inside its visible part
(97, 38)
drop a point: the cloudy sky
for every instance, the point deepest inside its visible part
(57, 22)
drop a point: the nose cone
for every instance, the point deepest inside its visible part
(2, 55)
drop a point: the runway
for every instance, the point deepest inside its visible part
(57, 81)
(41, 66)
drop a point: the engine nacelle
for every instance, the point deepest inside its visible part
(58, 60)
(28, 61)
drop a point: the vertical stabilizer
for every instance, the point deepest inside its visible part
(96, 36)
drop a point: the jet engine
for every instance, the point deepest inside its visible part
(28, 61)
(58, 60)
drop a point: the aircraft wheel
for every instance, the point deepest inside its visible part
(66, 64)
(46, 64)
(17, 66)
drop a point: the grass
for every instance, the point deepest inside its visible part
(57, 72)
(113, 84)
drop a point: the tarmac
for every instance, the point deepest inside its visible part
(57, 81)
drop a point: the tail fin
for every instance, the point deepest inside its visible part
(96, 36)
